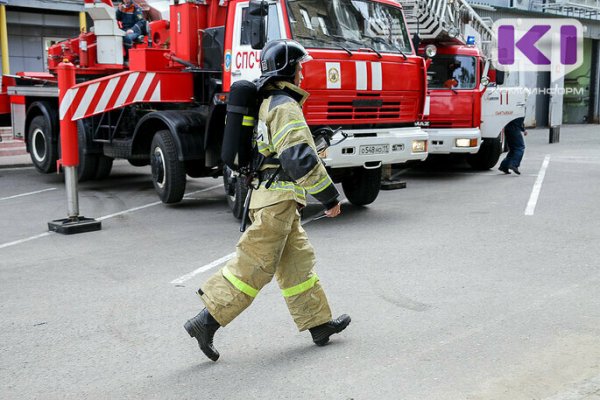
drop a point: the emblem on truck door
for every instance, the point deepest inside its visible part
(334, 78)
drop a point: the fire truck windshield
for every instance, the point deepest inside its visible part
(351, 24)
(452, 72)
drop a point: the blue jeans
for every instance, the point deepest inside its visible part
(516, 147)
(129, 38)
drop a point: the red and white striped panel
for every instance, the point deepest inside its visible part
(109, 93)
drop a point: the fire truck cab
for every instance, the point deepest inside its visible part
(166, 108)
(468, 102)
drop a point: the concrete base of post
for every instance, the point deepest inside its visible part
(73, 223)
(392, 185)
(387, 180)
(554, 136)
(69, 226)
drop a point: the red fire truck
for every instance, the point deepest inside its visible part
(468, 103)
(166, 108)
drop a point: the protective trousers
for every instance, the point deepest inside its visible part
(274, 245)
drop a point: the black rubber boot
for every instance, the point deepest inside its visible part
(203, 327)
(321, 333)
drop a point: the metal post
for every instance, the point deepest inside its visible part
(82, 22)
(70, 157)
(4, 39)
(72, 192)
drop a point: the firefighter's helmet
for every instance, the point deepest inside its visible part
(279, 59)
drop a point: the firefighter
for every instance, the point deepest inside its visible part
(132, 22)
(276, 244)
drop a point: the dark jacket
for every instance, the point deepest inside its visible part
(130, 16)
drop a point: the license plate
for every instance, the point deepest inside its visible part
(375, 149)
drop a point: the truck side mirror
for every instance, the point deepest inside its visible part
(499, 77)
(256, 20)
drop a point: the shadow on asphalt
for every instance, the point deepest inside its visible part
(438, 167)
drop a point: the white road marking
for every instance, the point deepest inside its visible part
(537, 187)
(26, 194)
(229, 256)
(2, 246)
(204, 268)
(24, 240)
(15, 168)
(153, 204)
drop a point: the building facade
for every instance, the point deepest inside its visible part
(34, 25)
(580, 100)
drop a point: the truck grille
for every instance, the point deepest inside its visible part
(347, 110)
(371, 108)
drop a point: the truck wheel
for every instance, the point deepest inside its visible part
(104, 167)
(236, 191)
(362, 186)
(42, 149)
(488, 154)
(88, 163)
(168, 173)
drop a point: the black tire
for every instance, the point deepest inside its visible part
(362, 186)
(168, 173)
(42, 148)
(488, 154)
(104, 167)
(88, 162)
(236, 191)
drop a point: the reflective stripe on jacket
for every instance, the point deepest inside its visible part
(282, 133)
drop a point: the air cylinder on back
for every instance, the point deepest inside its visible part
(242, 110)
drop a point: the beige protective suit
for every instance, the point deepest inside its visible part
(276, 244)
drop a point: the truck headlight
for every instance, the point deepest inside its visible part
(419, 146)
(430, 50)
(466, 142)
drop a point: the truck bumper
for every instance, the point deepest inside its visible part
(456, 140)
(373, 147)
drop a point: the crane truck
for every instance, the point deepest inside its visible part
(166, 107)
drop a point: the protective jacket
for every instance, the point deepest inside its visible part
(276, 245)
(283, 137)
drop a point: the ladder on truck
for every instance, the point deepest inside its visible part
(448, 20)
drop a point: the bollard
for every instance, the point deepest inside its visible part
(70, 159)
(554, 136)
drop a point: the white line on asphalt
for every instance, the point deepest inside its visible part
(26, 194)
(153, 204)
(535, 192)
(24, 240)
(204, 268)
(15, 168)
(106, 217)
(229, 256)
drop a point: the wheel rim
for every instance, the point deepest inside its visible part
(38, 145)
(159, 168)
(231, 185)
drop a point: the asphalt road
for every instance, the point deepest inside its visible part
(454, 292)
